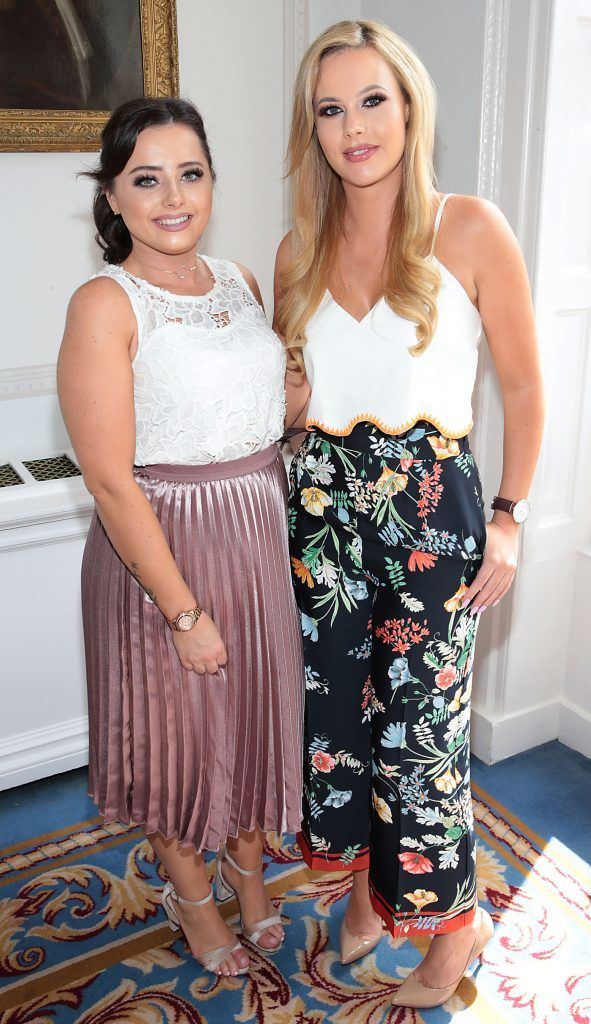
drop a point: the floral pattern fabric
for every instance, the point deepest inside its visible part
(386, 535)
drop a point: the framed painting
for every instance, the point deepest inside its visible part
(66, 64)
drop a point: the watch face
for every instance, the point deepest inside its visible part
(521, 511)
(185, 622)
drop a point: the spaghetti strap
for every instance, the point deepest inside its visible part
(438, 220)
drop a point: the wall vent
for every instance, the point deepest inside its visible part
(58, 467)
(9, 476)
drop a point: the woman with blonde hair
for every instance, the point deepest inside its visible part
(383, 290)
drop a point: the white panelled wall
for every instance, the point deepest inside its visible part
(555, 602)
(504, 134)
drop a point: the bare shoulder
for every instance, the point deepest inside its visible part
(104, 302)
(250, 280)
(470, 221)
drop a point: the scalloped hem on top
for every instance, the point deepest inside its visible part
(401, 428)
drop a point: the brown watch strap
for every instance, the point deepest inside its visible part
(503, 504)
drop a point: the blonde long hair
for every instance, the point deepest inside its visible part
(412, 282)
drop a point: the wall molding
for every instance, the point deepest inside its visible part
(41, 752)
(490, 677)
(295, 42)
(28, 381)
(494, 63)
(42, 534)
(538, 60)
(496, 37)
(514, 64)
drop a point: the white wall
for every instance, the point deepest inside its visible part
(231, 66)
(448, 37)
(47, 250)
(322, 13)
(558, 549)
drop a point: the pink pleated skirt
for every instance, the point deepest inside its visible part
(199, 757)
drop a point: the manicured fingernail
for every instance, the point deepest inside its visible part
(495, 603)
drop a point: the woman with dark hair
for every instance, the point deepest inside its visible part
(171, 386)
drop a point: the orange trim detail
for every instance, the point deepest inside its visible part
(367, 417)
(330, 861)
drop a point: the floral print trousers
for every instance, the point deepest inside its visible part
(386, 534)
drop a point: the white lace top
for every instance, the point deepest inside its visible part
(208, 372)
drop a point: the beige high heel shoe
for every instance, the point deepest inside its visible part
(353, 947)
(224, 891)
(212, 959)
(416, 995)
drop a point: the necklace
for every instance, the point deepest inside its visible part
(181, 272)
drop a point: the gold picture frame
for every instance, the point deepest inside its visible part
(41, 131)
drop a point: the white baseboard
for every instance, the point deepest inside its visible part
(495, 738)
(59, 748)
(574, 727)
(41, 752)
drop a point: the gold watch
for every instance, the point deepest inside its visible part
(185, 621)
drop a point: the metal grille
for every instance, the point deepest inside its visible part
(9, 476)
(56, 468)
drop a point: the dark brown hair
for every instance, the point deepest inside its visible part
(118, 140)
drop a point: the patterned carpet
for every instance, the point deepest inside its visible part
(83, 939)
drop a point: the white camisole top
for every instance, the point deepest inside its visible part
(363, 370)
(208, 375)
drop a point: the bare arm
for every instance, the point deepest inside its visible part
(297, 389)
(505, 304)
(95, 384)
(504, 301)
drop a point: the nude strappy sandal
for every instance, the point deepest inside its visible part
(211, 959)
(224, 891)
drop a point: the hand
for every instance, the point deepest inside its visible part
(497, 571)
(201, 649)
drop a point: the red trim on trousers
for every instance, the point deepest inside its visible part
(331, 861)
(401, 926)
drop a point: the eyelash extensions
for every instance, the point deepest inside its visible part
(146, 180)
(327, 110)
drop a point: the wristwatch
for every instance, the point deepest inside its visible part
(185, 621)
(518, 509)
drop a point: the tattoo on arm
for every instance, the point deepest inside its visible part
(134, 570)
